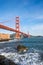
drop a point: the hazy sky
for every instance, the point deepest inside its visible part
(29, 11)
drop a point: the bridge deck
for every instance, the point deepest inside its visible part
(11, 29)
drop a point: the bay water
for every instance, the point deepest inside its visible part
(34, 55)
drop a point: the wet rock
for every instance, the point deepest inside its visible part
(5, 61)
(41, 56)
(21, 48)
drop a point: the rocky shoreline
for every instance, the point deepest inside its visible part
(5, 61)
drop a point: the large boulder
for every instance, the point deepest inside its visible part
(21, 48)
(5, 61)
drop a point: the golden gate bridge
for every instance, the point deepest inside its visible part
(17, 30)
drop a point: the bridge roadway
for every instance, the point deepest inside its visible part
(11, 29)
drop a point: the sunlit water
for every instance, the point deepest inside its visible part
(34, 55)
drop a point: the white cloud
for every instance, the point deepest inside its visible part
(37, 29)
(38, 17)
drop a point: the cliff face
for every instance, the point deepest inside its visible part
(4, 36)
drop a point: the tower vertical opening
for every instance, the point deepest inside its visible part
(17, 27)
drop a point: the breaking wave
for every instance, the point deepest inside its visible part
(31, 57)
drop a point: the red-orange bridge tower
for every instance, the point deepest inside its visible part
(17, 30)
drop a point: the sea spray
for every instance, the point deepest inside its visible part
(28, 58)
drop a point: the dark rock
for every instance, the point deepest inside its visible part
(21, 48)
(5, 61)
(41, 56)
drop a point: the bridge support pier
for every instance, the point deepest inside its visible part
(17, 28)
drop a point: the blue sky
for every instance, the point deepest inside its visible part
(29, 11)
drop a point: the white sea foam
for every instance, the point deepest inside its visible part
(22, 59)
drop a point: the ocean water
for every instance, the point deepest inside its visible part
(34, 55)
